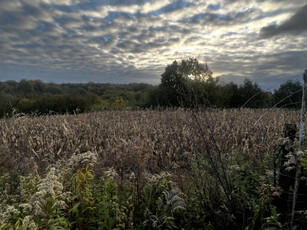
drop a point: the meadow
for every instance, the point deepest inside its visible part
(171, 169)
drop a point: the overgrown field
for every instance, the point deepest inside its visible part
(143, 170)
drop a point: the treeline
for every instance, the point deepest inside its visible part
(187, 83)
(38, 98)
(212, 93)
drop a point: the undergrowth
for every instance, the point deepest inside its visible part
(180, 174)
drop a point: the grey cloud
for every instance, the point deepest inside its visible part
(113, 15)
(44, 27)
(67, 42)
(284, 62)
(7, 5)
(208, 18)
(268, 70)
(130, 46)
(294, 25)
(233, 1)
(21, 15)
(16, 72)
(162, 42)
(104, 42)
(71, 44)
(127, 45)
(94, 4)
(31, 10)
(214, 6)
(66, 20)
(171, 29)
(219, 19)
(13, 20)
(268, 83)
(90, 27)
(171, 7)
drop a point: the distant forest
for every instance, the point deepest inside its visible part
(37, 98)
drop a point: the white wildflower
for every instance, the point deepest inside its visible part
(10, 212)
(299, 154)
(28, 223)
(66, 196)
(269, 173)
(59, 204)
(25, 207)
(50, 185)
(111, 172)
(290, 168)
(37, 208)
(132, 176)
(156, 178)
(82, 160)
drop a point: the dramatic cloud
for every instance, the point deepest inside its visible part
(123, 41)
(295, 25)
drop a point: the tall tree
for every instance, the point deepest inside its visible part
(184, 83)
(289, 94)
(250, 94)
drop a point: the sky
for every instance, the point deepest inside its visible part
(125, 41)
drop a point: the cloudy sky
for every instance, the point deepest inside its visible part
(122, 41)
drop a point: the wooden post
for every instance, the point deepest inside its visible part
(299, 153)
(286, 178)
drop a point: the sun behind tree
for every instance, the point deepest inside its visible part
(190, 69)
(186, 83)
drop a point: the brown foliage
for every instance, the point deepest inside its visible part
(138, 141)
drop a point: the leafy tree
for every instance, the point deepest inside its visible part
(6, 104)
(178, 72)
(38, 86)
(184, 83)
(289, 94)
(250, 94)
(25, 105)
(233, 95)
(36, 97)
(267, 98)
(25, 88)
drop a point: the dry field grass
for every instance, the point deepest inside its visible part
(157, 140)
(141, 170)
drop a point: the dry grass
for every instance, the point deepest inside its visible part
(67, 170)
(138, 140)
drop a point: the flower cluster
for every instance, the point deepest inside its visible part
(10, 213)
(82, 160)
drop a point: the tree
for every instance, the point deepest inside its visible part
(25, 88)
(233, 98)
(250, 94)
(289, 94)
(178, 73)
(184, 83)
